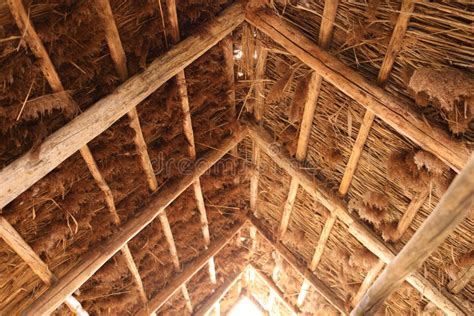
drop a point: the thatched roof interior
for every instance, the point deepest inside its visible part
(64, 215)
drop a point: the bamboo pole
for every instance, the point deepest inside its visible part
(93, 260)
(26, 170)
(394, 111)
(336, 205)
(451, 210)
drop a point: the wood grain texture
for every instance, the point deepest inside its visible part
(451, 210)
(457, 285)
(334, 204)
(98, 256)
(25, 171)
(394, 111)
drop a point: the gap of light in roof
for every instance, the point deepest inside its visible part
(245, 307)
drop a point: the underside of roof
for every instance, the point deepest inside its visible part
(170, 157)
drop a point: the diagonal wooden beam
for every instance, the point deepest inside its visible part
(394, 111)
(26, 170)
(457, 285)
(393, 48)
(49, 71)
(189, 271)
(188, 132)
(322, 193)
(214, 300)
(276, 290)
(93, 260)
(307, 274)
(451, 210)
(13, 239)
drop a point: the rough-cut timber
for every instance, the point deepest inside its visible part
(392, 110)
(307, 274)
(214, 299)
(25, 171)
(451, 210)
(190, 270)
(276, 290)
(13, 239)
(97, 257)
(392, 51)
(336, 205)
(466, 275)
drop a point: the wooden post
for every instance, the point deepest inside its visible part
(25, 171)
(451, 210)
(392, 51)
(93, 260)
(188, 131)
(189, 271)
(394, 111)
(307, 274)
(336, 205)
(276, 290)
(213, 300)
(13, 239)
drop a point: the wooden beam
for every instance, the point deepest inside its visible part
(93, 260)
(451, 210)
(132, 267)
(13, 239)
(319, 285)
(394, 111)
(368, 280)
(259, 84)
(457, 285)
(190, 270)
(216, 297)
(392, 50)
(188, 132)
(336, 205)
(25, 171)
(276, 290)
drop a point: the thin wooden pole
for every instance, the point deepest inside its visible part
(393, 110)
(319, 191)
(93, 260)
(281, 249)
(26, 170)
(189, 271)
(458, 284)
(13, 239)
(276, 290)
(451, 210)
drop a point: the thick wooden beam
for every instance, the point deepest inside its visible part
(189, 271)
(13, 239)
(276, 290)
(319, 285)
(394, 111)
(25, 171)
(451, 210)
(188, 131)
(465, 276)
(392, 50)
(213, 300)
(97, 257)
(336, 205)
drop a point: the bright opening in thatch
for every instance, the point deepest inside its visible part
(245, 307)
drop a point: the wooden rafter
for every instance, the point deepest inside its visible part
(384, 73)
(276, 290)
(335, 205)
(464, 277)
(451, 210)
(188, 132)
(393, 110)
(13, 239)
(97, 257)
(307, 274)
(189, 271)
(26, 170)
(213, 300)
